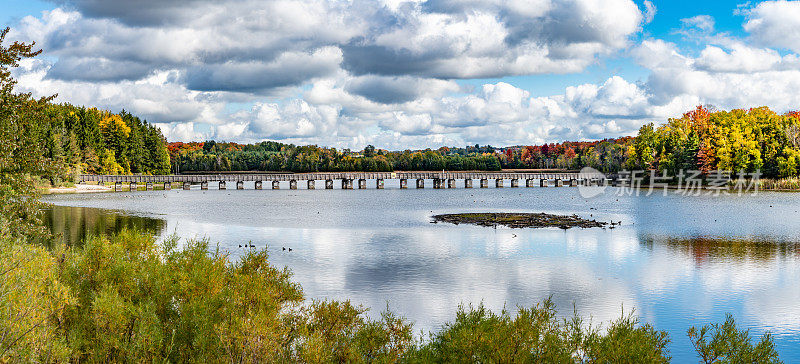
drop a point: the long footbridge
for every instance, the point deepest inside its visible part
(439, 179)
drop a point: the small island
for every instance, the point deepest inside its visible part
(519, 220)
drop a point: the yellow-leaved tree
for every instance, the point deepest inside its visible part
(31, 299)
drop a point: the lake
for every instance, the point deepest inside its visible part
(677, 260)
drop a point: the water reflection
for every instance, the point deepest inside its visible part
(73, 225)
(705, 250)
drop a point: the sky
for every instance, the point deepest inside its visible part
(403, 74)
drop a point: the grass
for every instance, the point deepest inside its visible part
(783, 184)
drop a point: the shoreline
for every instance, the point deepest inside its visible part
(79, 188)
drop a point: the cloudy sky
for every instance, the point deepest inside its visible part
(414, 73)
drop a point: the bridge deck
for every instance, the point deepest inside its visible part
(321, 176)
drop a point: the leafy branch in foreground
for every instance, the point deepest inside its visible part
(724, 343)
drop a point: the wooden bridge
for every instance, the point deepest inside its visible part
(440, 179)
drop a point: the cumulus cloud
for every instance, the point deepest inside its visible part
(289, 69)
(738, 76)
(467, 39)
(157, 98)
(239, 39)
(775, 24)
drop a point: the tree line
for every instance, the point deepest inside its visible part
(756, 139)
(607, 155)
(274, 156)
(750, 140)
(88, 140)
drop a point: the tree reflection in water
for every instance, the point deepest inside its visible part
(72, 225)
(704, 249)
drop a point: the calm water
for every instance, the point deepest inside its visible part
(672, 259)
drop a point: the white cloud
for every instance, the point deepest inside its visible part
(649, 11)
(775, 24)
(743, 59)
(701, 22)
(737, 77)
(467, 39)
(181, 132)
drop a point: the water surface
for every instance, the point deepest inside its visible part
(678, 260)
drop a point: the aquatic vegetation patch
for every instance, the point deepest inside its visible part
(519, 220)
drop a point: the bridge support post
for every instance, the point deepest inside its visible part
(117, 186)
(167, 186)
(451, 183)
(203, 185)
(498, 183)
(420, 183)
(328, 184)
(362, 184)
(133, 187)
(187, 186)
(379, 183)
(543, 182)
(240, 185)
(310, 184)
(293, 184)
(403, 183)
(484, 183)
(149, 186)
(529, 182)
(276, 185)
(468, 183)
(259, 185)
(514, 182)
(559, 182)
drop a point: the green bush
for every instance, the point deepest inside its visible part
(142, 302)
(537, 335)
(724, 343)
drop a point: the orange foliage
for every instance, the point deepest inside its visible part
(699, 121)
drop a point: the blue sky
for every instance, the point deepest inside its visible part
(398, 73)
(13, 10)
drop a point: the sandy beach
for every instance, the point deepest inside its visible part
(81, 188)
